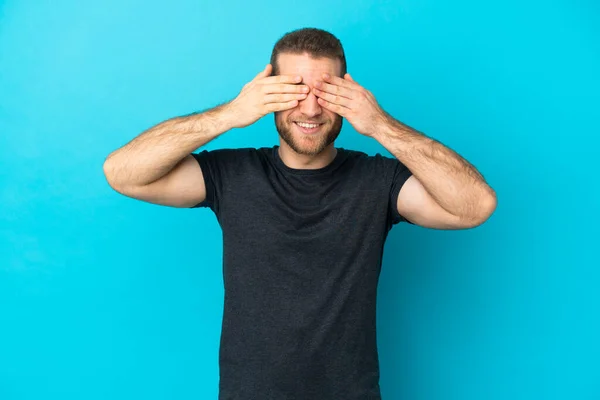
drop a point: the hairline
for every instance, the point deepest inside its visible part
(312, 55)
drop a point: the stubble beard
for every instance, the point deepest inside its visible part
(309, 145)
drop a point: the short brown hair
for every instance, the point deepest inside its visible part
(316, 42)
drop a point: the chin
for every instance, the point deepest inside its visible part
(311, 141)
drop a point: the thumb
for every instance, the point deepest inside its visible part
(349, 78)
(264, 73)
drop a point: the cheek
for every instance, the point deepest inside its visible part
(283, 116)
(330, 114)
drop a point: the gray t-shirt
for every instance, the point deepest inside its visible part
(302, 252)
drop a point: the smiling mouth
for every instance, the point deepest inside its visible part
(308, 127)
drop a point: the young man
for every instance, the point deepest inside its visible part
(304, 223)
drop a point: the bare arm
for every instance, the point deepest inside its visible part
(157, 167)
(445, 191)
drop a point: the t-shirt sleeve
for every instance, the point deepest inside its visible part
(212, 164)
(399, 176)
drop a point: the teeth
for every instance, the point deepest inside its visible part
(308, 126)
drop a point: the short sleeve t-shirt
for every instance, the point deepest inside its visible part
(302, 253)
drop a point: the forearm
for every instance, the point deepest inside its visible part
(452, 181)
(156, 151)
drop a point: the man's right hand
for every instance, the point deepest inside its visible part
(265, 94)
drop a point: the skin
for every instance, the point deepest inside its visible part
(297, 149)
(444, 192)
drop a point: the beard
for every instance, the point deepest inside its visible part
(309, 145)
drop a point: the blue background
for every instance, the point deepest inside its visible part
(105, 297)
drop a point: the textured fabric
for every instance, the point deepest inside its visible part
(302, 252)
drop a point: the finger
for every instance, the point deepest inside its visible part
(336, 80)
(284, 97)
(273, 107)
(333, 98)
(348, 77)
(334, 89)
(295, 79)
(284, 88)
(340, 110)
(264, 73)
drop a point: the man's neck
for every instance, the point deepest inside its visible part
(302, 161)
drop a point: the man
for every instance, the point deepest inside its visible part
(304, 223)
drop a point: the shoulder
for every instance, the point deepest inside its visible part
(229, 155)
(233, 162)
(376, 162)
(363, 156)
(229, 152)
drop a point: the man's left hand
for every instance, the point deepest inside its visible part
(347, 98)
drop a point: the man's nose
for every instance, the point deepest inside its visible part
(310, 106)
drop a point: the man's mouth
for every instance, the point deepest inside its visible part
(306, 127)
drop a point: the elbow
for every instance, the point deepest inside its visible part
(109, 175)
(480, 213)
(486, 208)
(490, 203)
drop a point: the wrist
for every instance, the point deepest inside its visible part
(223, 117)
(209, 123)
(400, 139)
(216, 120)
(386, 130)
